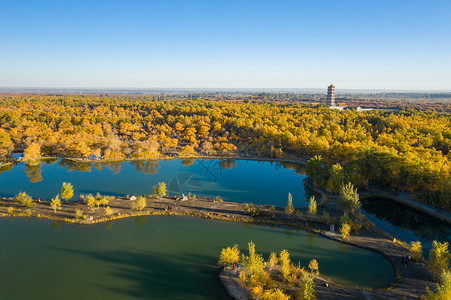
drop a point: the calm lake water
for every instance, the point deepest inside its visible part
(156, 258)
(175, 258)
(406, 223)
(238, 181)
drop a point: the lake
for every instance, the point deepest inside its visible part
(157, 258)
(406, 223)
(238, 181)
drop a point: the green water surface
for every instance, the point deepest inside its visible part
(156, 258)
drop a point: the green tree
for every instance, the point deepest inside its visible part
(253, 266)
(160, 190)
(67, 191)
(55, 203)
(90, 201)
(443, 288)
(336, 179)
(289, 209)
(415, 250)
(316, 170)
(349, 198)
(312, 206)
(139, 204)
(229, 256)
(284, 260)
(438, 258)
(105, 201)
(306, 288)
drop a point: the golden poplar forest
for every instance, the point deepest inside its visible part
(407, 150)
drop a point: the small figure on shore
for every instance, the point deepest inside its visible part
(273, 217)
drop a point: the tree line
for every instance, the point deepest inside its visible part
(405, 150)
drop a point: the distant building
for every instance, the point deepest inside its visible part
(330, 95)
(330, 100)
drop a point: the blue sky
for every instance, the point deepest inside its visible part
(360, 44)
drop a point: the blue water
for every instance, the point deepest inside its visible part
(238, 181)
(405, 223)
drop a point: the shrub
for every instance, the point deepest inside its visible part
(11, 210)
(79, 215)
(345, 229)
(352, 222)
(325, 217)
(438, 258)
(105, 200)
(24, 199)
(249, 208)
(274, 294)
(349, 198)
(443, 288)
(55, 203)
(242, 277)
(108, 211)
(139, 204)
(229, 256)
(272, 262)
(314, 267)
(415, 250)
(218, 199)
(90, 201)
(306, 288)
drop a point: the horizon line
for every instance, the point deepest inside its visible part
(224, 89)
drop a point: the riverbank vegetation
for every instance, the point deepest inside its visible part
(277, 278)
(406, 150)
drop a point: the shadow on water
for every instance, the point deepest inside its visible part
(154, 276)
(404, 222)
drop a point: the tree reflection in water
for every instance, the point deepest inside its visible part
(405, 219)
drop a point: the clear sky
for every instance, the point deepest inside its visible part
(359, 44)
